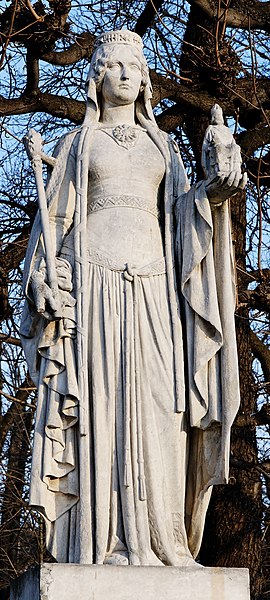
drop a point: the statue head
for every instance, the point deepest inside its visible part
(111, 48)
(111, 44)
(217, 115)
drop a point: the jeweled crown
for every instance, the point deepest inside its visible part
(120, 36)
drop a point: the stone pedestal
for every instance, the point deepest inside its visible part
(94, 582)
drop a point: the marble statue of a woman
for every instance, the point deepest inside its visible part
(137, 381)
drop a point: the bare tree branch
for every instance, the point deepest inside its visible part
(262, 417)
(243, 464)
(32, 70)
(258, 298)
(262, 353)
(253, 139)
(58, 106)
(186, 97)
(148, 14)
(251, 14)
(7, 419)
(82, 48)
(10, 340)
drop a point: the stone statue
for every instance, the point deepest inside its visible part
(137, 376)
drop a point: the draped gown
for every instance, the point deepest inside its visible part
(139, 440)
(157, 429)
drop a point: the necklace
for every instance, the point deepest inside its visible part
(124, 135)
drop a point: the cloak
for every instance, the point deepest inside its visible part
(200, 274)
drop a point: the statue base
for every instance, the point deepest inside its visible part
(53, 581)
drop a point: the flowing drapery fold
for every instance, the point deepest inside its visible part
(198, 292)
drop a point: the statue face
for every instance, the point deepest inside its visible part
(123, 77)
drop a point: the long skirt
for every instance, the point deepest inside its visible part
(138, 442)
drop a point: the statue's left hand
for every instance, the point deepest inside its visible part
(224, 186)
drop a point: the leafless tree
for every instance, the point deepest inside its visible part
(200, 52)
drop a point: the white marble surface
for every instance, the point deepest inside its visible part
(137, 381)
(69, 582)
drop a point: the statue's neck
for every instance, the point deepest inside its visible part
(117, 115)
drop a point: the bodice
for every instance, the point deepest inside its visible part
(124, 177)
(128, 182)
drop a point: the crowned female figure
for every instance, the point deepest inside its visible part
(137, 381)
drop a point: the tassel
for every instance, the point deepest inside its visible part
(127, 475)
(142, 489)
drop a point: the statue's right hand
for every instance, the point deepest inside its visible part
(42, 293)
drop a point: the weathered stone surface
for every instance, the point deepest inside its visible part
(92, 582)
(134, 411)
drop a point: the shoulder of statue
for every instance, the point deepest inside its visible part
(170, 141)
(165, 135)
(64, 153)
(172, 144)
(66, 140)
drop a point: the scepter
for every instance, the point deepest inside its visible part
(33, 144)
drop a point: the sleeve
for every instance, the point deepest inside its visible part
(207, 288)
(60, 194)
(61, 210)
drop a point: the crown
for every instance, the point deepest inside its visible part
(120, 36)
